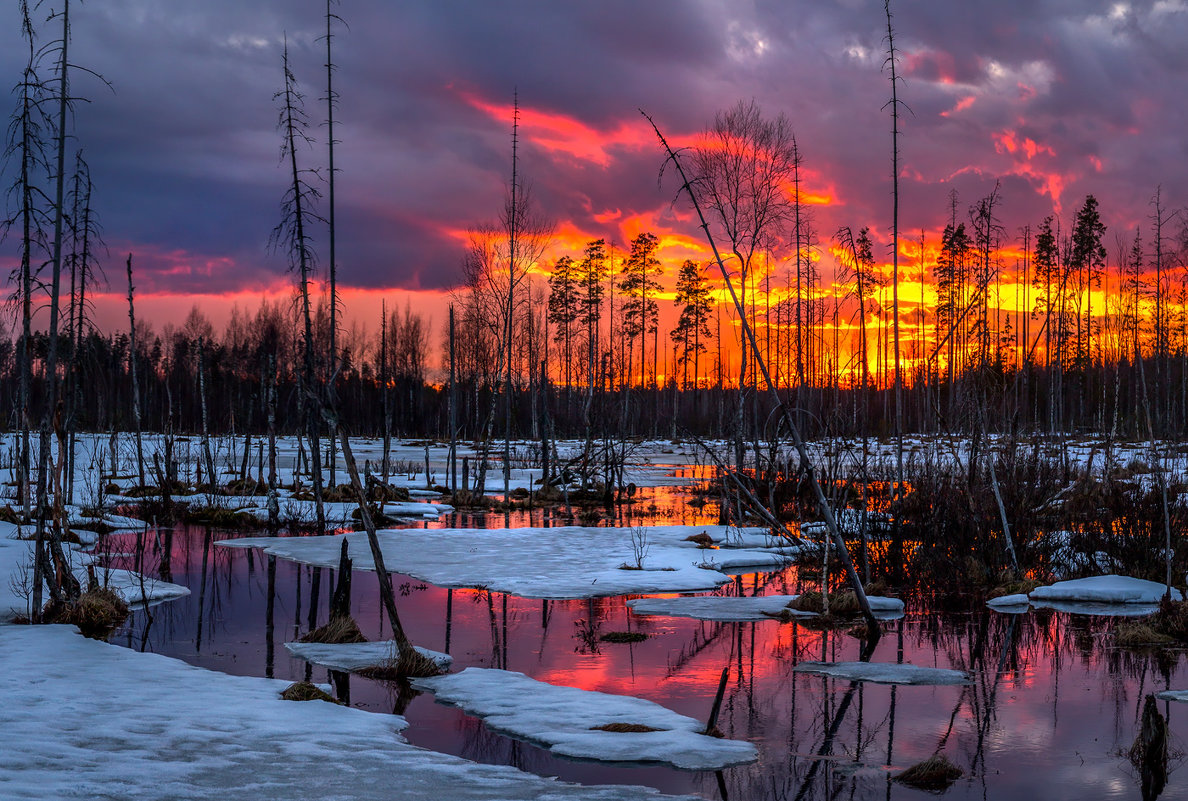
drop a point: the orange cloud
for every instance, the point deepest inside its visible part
(567, 135)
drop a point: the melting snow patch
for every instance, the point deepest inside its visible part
(1018, 602)
(352, 656)
(563, 719)
(16, 561)
(144, 726)
(135, 590)
(885, 672)
(564, 562)
(1105, 590)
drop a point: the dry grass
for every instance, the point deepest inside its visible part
(98, 613)
(465, 499)
(1168, 626)
(841, 604)
(408, 664)
(338, 630)
(304, 691)
(934, 774)
(624, 728)
(1013, 587)
(1139, 634)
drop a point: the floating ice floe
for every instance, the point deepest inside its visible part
(1105, 590)
(142, 727)
(563, 562)
(352, 656)
(1173, 695)
(885, 672)
(1018, 602)
(563, 719)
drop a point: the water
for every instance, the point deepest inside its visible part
(1049, 715)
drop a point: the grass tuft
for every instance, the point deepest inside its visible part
(934, 774)
(304, 691)
(624, 728)
(98, 613)
(338, 630)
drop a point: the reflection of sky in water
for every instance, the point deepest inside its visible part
(1049, 726)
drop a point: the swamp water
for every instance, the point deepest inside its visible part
(1052, 708)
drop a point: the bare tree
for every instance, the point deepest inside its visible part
(293, 234)
(740, 176)
(28, 147)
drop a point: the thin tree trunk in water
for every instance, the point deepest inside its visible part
(273, 501)
(64, 587)
(806, 466)
(135, 381)
(452, 459)
(211, 476)
(330, 98)
(898, 533)
(381, 572)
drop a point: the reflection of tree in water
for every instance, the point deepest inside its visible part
(1042, 659)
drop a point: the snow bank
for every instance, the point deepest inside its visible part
(885, 672)
(353, 656)
(16, 576)
(1105, 590)
(138, 726)
(128, 585)
(564, 562)
(561, 718)
(1010, 603)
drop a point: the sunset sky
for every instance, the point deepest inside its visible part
(1055, 99)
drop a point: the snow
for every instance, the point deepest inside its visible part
(16, 560)
(84, 719)
(561, 719)
(562, 562)
(338, 514)
(1173, 695)
(885, 672)
(127, 584)
(353, 656)
(1019, 602)
(1105, 590)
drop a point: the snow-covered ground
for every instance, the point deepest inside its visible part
(564, 719)
(84, 719)
(16, 572)
(562, 562)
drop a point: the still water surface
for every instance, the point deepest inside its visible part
(1052, 708)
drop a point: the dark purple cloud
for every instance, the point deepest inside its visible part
(1056, 99)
